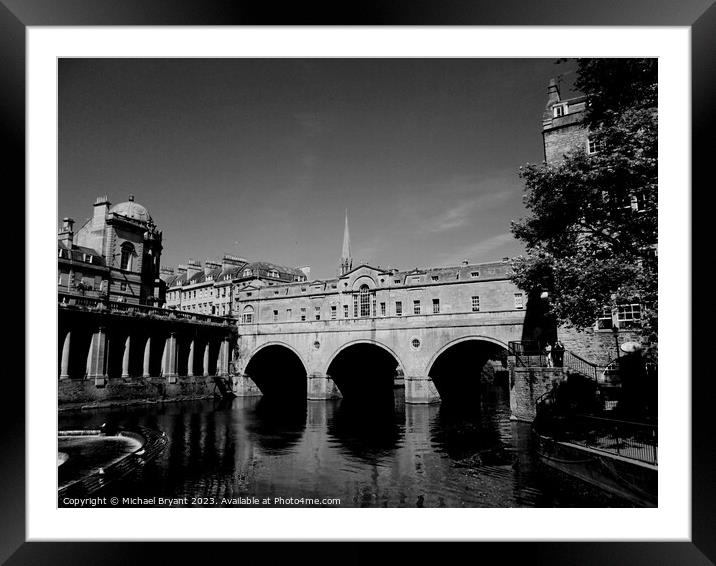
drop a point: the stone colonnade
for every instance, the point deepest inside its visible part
(100, 350)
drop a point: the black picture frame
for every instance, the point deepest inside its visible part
(16, 15)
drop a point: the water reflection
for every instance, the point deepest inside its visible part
(368, 455)
(368, 431)
(275, 424)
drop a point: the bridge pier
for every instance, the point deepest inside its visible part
(322, 387)
(244, 386)
(420, 390)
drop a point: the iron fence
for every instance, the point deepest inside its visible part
(633, 440)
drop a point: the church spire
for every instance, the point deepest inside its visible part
(346, 259)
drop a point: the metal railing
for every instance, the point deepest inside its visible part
(632, 440)
(529, 353)
(579, 365)
(74, 300)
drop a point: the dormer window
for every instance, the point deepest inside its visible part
(474, 274)
(273, 273)
(247, 273)
(559, 111)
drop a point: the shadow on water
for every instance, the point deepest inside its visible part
(368, 429)
(276, 424)
(470, 429)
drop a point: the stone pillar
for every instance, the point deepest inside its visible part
(170, 358)
(223, 370)
(125, 359)
(420, 390)
(190, 361)
(244, 386)
(97, 367)
(206, 360)
(65, 363)
(322, 387)
(147, 354)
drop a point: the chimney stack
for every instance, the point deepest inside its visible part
(192, 268)
(209, 266)
(66, 234)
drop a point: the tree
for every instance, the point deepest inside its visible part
(591, 232)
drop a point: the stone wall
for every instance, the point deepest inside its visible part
(596, 346)
(563, 140)
(79, 392)
(527, 384)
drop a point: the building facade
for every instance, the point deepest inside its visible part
(115, 255)
(213, 288)
(564, 132)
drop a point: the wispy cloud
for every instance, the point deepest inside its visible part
(477, 251)
(463, 212)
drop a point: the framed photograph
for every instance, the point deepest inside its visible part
(396, 281)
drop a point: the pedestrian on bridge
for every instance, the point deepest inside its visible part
(548, 354)
(558, 354)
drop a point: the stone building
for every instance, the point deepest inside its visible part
(213, 288)
(114, 255)
(563, 132)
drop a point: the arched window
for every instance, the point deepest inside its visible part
(127, 256)
(364, 294)
(247, 316)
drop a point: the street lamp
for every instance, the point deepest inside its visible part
(615, 331)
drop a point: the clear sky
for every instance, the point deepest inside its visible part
(261, 157)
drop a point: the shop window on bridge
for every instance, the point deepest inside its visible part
(475, 304)
(629, 315)
(416, 307)
(317, 311)
(436, 306)
(519, 301)
(398, 308)
(382, 309)
(334, 312)
(275, 316)
(247, 317)
(303, 315)
(345, 311)
(288, 314)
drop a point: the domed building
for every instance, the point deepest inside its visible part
(115, 255)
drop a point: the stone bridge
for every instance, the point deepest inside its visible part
(434, 355)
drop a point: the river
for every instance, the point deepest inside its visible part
(358, 454)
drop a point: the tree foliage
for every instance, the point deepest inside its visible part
(591, 229)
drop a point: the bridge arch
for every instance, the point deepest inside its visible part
(364, 369)
(275, 343)
(278, 370)
(456, 341)
(458, 368)
(342, 347)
